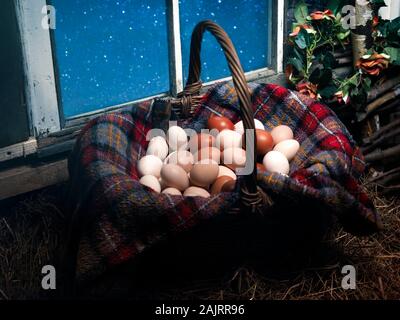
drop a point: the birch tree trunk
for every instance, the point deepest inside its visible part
(362, 35)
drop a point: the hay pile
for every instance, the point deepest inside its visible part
(30, 231)
(29, 236)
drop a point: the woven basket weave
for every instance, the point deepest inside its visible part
(114, 218)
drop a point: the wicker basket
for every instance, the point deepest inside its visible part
(114, 217)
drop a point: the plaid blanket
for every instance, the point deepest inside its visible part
(118, 217)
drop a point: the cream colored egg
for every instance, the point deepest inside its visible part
(181, 158)
(224, 171)
(228, 139)
(234, 158)
(204, 173)
(281, 133)
(158, 147)
(174, 176)
(196, 192)
(275, 161)
(162, 184)
(172, 192)
(149, 165)
(151, 182)
(240, 129)
(288, 148)
(177, 139)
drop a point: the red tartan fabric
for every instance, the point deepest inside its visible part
(119, 218)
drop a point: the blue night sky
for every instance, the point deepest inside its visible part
(111, 52)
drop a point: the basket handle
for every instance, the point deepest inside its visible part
(251, 195)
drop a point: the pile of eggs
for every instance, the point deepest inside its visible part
(205, 164)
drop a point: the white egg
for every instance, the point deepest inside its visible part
(224, 171)
(158, 147)
(151, 182)
(240, 129)
(177, 139)
(181, 158)
(275, 161)
(150, 165)
(228, 139)
(288, 148)
(234, 158)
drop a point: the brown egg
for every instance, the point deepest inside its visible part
(204, 173)
(219, 183)
(196, 192)
(172, 192)
(229, 186)
(261, 167)
(265, 142)
(219, 123)
(174, 176)
(208, 153)
(281, 133)
(200, 141)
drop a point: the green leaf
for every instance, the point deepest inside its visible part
(370, 51)
(391, 32)
(328, 60)
(303, 39)
(345, 91)
(353, 81)
(367, 82)
(297, 64)
(335, 5)
(325, 78)
(394, 54)
(301, 12)
(354, 92)
(315, 76)
(328, 91)
(343, 35)
(299, 54)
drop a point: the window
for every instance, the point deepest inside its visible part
(108, 54)
(249, 31)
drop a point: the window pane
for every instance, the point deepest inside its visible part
(245, 21)
(110, 52)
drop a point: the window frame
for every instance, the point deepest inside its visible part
(42, 84)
